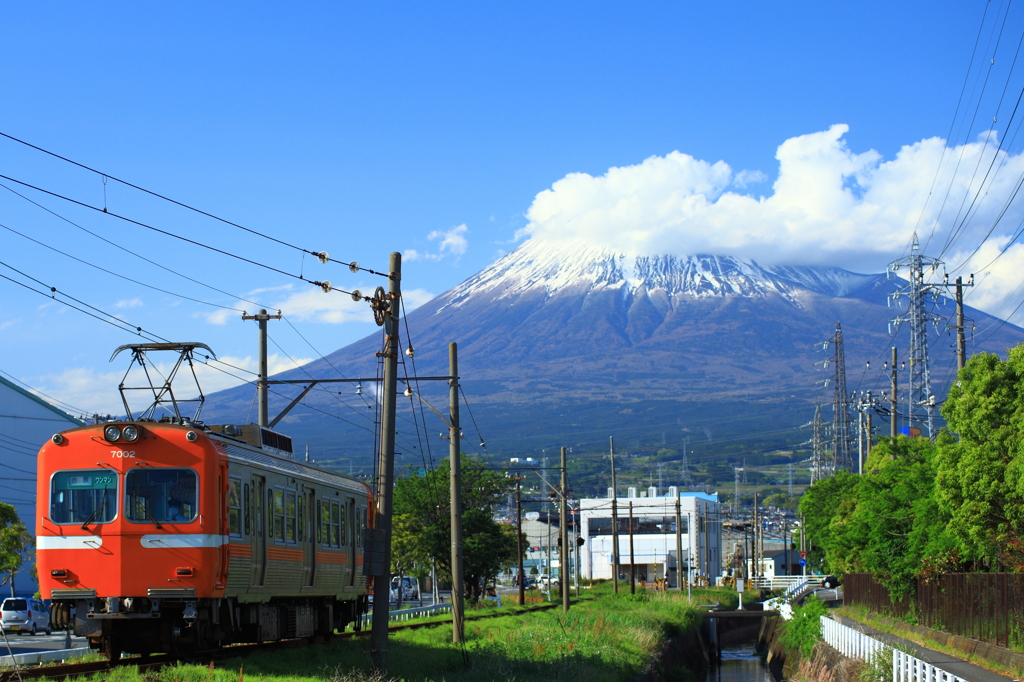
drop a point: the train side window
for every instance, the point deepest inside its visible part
(343, 527)
(289, 516)
(248, 510)
(335, 524)
(235, 506)
(278, 513)
(270, 514)
(324, 514)
(80, 496)
(302, 520)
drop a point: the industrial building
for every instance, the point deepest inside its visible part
(656, 555)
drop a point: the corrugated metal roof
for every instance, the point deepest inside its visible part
(31, 396)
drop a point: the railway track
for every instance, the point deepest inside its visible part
(153, 663)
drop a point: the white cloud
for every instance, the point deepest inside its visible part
(452, 242)
(311, 304)
(129, 303)
(829, 205)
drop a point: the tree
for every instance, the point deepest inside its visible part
(819, 505)
(423, 500)
(15, 541)
(980, 464)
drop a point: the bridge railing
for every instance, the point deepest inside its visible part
(905, 668)
(778, 582)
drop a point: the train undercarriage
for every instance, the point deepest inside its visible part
(182, 626)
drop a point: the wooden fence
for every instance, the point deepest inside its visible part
(983, 606)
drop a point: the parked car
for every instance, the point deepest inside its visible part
(410, 588)
(25, 615)
(830, 582)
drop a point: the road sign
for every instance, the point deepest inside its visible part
(803, 555)
(803, 562)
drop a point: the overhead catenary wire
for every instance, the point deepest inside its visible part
(129, 251)
(108, 176)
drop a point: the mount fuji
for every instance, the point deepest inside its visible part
(567, 344)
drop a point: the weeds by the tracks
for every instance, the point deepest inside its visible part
(603, 638)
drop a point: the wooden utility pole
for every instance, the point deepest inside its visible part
(381, 537)
(455, 464)
(262, 414)
(519, 540)
(632, 565)
(893, 430)
(563, 552)
(679, 548)
(615, 521)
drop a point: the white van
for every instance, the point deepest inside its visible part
(25, 615)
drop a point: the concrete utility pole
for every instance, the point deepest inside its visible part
(892, 399)
(519, 540)
(455, 464)
(386, 467)
(563, 553)
(632, 564)
(615, 521)
(961, 343)
(262, 415)
(679, 547)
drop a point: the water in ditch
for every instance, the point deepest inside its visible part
(740, 664)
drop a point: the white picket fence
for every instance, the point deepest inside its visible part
(905, 668)
(775, 583)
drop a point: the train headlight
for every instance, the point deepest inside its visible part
(57, 438)
(112, 433)
(130, 433)
(192, 436)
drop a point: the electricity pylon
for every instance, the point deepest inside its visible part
(921, 401)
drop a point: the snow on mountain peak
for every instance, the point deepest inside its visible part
(553, 266)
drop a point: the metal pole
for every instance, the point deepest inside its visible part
(892, 399)
(632, 565)
(870, 428)
(519, 540)
(689, 552)
(262, 414)
(860, 437)
(615, 521)
(679, 547)
(386, 468)
(563, 552)
(455, 464)
(961, 344)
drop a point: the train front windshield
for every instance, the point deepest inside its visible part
(85, 497)
(161, 495)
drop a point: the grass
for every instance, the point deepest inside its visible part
(603, 638)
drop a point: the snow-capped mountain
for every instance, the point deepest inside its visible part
(567, 344)
(553, 267)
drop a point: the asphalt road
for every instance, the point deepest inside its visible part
(28, 644)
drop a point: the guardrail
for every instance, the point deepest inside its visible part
(409, 614)
(905, 668)
(37, 657)
(796, 588)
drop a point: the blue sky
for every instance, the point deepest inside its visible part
(368, 128)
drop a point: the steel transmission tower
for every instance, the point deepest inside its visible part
(822, 465)
(920, 402)
(842, 434)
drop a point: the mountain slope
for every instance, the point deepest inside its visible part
(567, 344)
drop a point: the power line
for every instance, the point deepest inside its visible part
(129, 251)
(319, 254)
(115, 274)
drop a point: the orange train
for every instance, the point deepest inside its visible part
(172, 536)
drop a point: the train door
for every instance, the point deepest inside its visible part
(259, 530)
(307, 537)
(350, 538)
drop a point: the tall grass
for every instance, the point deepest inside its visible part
(603, 638)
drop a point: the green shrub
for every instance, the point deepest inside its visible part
(803, 631)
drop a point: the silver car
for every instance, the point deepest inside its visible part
(25, 615)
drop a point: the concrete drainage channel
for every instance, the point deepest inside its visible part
(37, 657)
